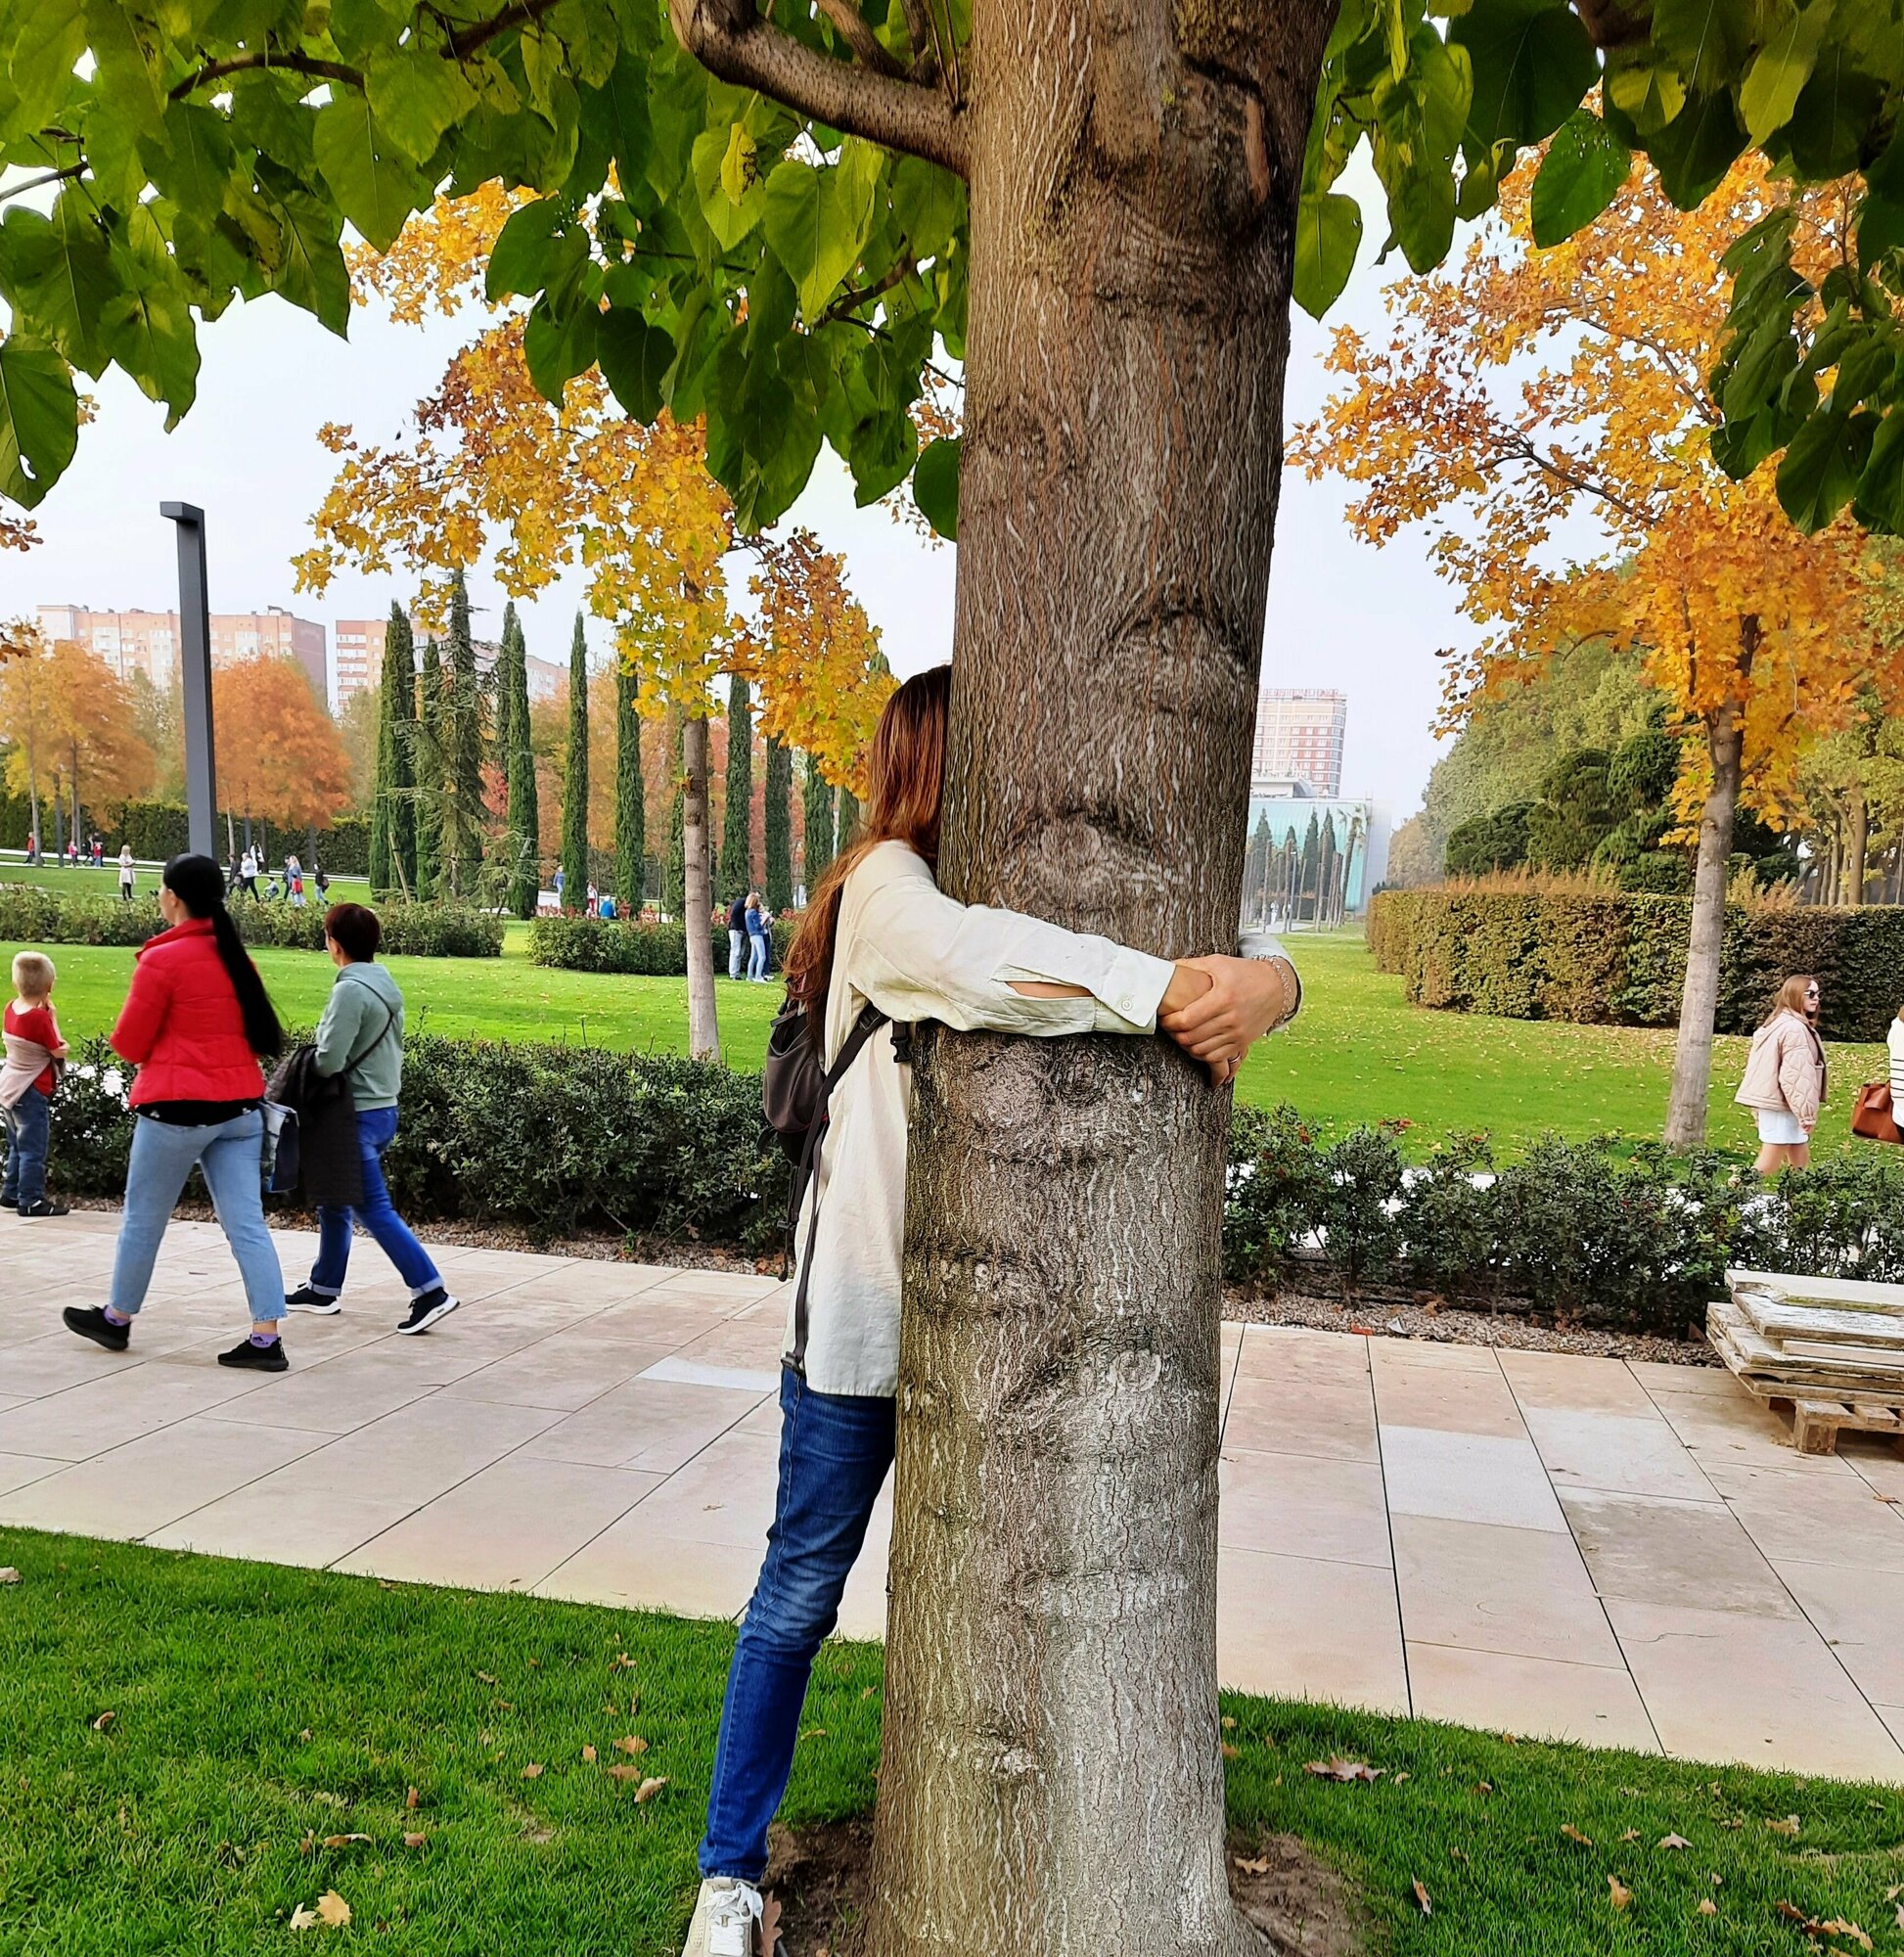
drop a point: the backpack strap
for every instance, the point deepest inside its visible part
(870, 1021)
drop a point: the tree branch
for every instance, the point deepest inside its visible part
(40, 182)
(852, 300)
(853, 31)
(313, 66)
(730, 39)
(925, 41)
(1614, 24)
(521, 14)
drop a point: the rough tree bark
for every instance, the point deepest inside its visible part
(1698, 1000)
(698, 901)
(1051, 1780)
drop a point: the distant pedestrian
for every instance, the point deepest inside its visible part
(194, 1024)
(559, 885)
(760, 944)
(247, 873)
(33, 847)
(594, 901)
(737, 937)
(321, 880)
(294, 879)
(73, 853)
(1785, 1078)
(361, 1037)
(28, 1078)
(128, 876)
(607, 907)
(99, 852)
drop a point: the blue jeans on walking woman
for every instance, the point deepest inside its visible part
(835, 1450)
(229, 1156)
(376, 1131)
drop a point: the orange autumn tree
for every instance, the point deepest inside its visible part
(69, 718)
(281, 759)
(1548, 416)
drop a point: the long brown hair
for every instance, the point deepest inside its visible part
(905, 792)
(1791, 998)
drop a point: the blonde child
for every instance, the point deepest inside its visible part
(27, 1078)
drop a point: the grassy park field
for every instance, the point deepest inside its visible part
(103, 881)
(1359, 1053)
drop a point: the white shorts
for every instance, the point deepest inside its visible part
(1779, 1127)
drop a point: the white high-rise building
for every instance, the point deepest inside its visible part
(1300, 738)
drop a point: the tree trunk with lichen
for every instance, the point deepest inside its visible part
(1051, 1781)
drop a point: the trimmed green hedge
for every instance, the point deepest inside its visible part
(559, 1139)
(32, 915)
(646, 950)
(1621, 960)
(157, 830)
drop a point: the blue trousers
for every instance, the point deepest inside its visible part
(835, 1450)
(737, 952)
(759, 946)
(27, 1122)
(376, 1131)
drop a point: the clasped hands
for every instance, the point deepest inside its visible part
(1217, 1008)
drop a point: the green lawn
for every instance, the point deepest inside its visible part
(257, 1710)
(104, 881)
(1359, 1053)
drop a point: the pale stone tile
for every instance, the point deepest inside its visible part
(590, 1281)
(87, 1420)
(742, 1344)
(1468, 1477)
(1533, 1698)
(648, 1424)
(1570, 1382)
(1882, 1471)
(128, 1491)
(1447, 1398)
(723, 1498)
(1434, 1355)
(731, 1291)
(565, 1372)
(1294, 1628)
(1838, 1520)
(1289, 1351)
(1692, 1554)
(16, 1470)
(334, 1398)
(1631, 1454)
(60, 1359)
(1722, 1687)
(1302, 1506)
(631, 1567)
(1733, 1429)
(736, 1378)
(1859, 1613)
(1658, 1377)
(1893, 1718)
(1302, 1416)
(1519, 1592)
(506, 1527)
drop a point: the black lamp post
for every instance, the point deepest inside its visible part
(194, 678)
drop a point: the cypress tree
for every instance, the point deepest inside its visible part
(463, 759)
(431, 747)
(737, 847)
(676, 885)
(518, 769)
(848, 818)
(575, 786)
(399, 680)
(778, 828)
(630, 804)
(382, 872)
(816, 816)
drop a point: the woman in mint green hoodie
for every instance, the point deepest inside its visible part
(361, 1037)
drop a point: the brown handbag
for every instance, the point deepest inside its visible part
(1871, 1117)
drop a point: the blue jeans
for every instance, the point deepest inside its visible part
(737, 953)
(758, 947)
(27, 1122)
(376, 1131)
(229, 1156)
(835, 1450)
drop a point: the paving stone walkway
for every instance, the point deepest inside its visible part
(1623, 1554)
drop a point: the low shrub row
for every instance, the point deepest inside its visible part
(32, 915)
(646, 950)
(1618, 959)
(560, 1139)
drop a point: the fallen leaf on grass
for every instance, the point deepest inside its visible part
(415, 1840)
(9, 1574)
(302, 1917)
(104, 1720)
(412, 1800)
(1483, 1786)
(1630, 1835)
(1573, 1834)
(622, 1771)
(1896, 1891)
(770, 1926)
(1707, 1907)
(621, 1661)
(1789, 1826)
(1230, 1753)
(1422, 1898)
(1258, 1867)
(1674, 1841)
(1399, 1778)
(588, 1756)
(533, 1771)
(333, 1908)
(488, 1677)
(814, 1733)
(306, 1734)
(631, 1743)
(648, 1788)
(308, 1845)
(1228, 1724)
(1457, 1854)
(1335, 1768)
(342, 1840)
(1900, 1916)
(1842, 1927)
(1618, 1893)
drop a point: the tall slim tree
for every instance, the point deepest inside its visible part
(848, 819)
(736, 862)
(399, 699)
(431, 749)
(574, 782)
(383, 862)
(630, 802)
(463, 810)
(776, 827)
(524, 815)
(816, 824)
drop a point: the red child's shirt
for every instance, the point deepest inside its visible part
(35, 1022)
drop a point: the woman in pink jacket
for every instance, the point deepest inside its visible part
(1785, 1078)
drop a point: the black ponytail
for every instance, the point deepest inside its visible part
(198, 884)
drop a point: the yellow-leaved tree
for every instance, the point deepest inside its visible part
(1548, 416)
(74, 732)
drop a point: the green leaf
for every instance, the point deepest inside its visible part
(1328, 236)
(936, 485)
(928, 205)
(1533, 63)
(615, 115)
(1648, 95)
(376, 185)
(39, 419)
(1819, 474)
(558, 344)
(635, 357)
(58, 273)
(1580, 177)
(311, 272)
(1880, 489)
(729, 219)
(1837, 111)
(49, 39)
(1780, 69)
(416, 95)
(815, 222)
(193, 164)
(122, 73)
(265, 117)
(534, 245)
(1708, 39)
(1697, 148)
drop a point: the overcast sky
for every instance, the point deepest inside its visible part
(1340, 614)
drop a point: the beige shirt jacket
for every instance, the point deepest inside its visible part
(907, 948)
(1785, 1069)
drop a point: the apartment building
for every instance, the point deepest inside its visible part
(148, 641)
(1300, 738)
(359, 646)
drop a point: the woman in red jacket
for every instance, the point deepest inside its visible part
(194, 1024)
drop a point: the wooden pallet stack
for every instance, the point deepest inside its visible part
(1830, 1349)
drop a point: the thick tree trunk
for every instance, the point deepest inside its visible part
(1699, 1002)
(1856, 848)
(698, 904)
(1051, 1780)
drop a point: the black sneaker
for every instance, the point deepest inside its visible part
(426, 1310)
(317, 1302)
(44, 1208)
(92, 1322)
(257, 1358)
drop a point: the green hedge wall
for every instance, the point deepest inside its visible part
(1621, 959)
(31, 915)
(156, 831)
(559, 1139)
(648, 950)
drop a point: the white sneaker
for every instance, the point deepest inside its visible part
(726, 1919)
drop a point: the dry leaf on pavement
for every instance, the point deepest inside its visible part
(1618, 1893)
(333, 1908)
(1573, 1834)
(648, 1788)
(1674, 1841)
(1422, 1898)
(1335, 1768)
(533, 1771)
(631, 1743)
